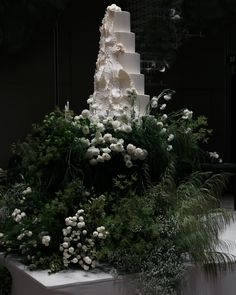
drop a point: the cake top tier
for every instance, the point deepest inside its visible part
(120, 19)
(116, 63)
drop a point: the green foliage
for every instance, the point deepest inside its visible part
(82, 190)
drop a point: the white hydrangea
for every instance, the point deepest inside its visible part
(79, 246)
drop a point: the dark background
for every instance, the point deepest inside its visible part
(57, 60)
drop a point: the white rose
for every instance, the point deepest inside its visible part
(46, 240)
(107, 137)
(71, 250)
(100, 159)
(130, 148)
(85, 113)
(65, 245)
(85, 130)
(81, 224)
(74, 260)
(154, 104)
(106, 156)
(85, 267)
(87, 260)
(95, 233)
(171, 137)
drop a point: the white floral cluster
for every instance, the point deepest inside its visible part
(25, 192)
(28, 190)
(155, 100)
(24, 233)
(79, 247)
(215, 157)
(18, 215)
(187, 114)
(46, 240)
(134, 153)
(166, 95)
(100, 145)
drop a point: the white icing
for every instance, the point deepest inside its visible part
(117, 69)
(127, 39)
(121, 22)
(138, 80)
(130, 62)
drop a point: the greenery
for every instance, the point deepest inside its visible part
(83, 191)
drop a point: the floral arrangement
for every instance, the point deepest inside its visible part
(82, 191)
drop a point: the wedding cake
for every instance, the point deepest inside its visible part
(118, 83)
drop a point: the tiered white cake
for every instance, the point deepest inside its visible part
(117, 69)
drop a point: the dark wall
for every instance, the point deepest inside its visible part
(78, 48)
(203, 80)
(26, 89)
(198, 77)
(31, 83)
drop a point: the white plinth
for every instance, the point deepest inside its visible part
(78, 282)
(70, 282)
